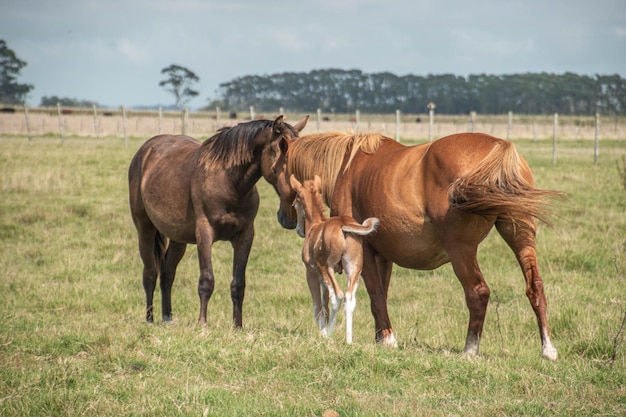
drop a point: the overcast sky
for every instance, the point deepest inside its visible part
(112, 51)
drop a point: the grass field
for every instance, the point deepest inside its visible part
(73, 340)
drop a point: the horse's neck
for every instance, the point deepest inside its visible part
(245, 177)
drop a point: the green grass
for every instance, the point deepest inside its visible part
(73, 339)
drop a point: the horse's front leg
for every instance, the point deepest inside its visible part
(206, 281)
(241, 248)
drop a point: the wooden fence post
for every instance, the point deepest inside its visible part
(160, 120)
(319, 119)
(217, 118)
(185, 117)
(30, 138)
(510, 126)
(597, 140)
(431, 118)
(397, 125)
(357, 116)
(251, 112)
(556, 126)
(61, 129)
(95, 122)
(124, 126)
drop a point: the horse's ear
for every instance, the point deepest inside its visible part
(277, 125)
(301, 124)
(295, 184)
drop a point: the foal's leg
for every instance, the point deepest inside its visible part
(352, 271)
(521, 239)
(320, 314)
(174, 254)
(241, 248)
(336, 297)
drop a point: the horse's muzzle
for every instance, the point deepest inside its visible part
(284, 221)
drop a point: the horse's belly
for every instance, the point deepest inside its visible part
(411, 247)
(177, 229)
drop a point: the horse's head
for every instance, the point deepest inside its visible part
(274, 167)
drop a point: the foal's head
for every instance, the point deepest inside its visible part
(308, 203)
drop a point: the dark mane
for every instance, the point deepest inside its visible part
(233, 146)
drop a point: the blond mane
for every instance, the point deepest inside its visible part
(323, 154)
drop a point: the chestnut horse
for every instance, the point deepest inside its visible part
(436, 202)
(184, 191)
(329, 242)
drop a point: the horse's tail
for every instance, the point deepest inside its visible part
(496, 187)
(160, 248)
(367, 227)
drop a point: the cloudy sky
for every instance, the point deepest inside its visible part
(112, 51)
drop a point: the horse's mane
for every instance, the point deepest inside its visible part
(234, 146)
(323, 154)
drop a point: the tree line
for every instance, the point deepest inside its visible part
(345, 91)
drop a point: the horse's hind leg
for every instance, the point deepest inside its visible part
(174, 254)
(150, 246)
(521, 239)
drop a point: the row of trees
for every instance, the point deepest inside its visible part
(341, 91)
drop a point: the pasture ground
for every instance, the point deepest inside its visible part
(73, 339)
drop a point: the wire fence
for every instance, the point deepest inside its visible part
(95, 122)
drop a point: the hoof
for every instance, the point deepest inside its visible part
(550, 353)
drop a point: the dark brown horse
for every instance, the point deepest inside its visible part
(183, 191)
(436, 202)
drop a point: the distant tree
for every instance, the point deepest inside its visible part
(179, 82)
(65, 101)
(11, 92)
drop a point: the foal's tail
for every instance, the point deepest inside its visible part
(368, 226)
(496, 187)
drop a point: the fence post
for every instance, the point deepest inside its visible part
(124, 126)
(431, 116)
(160, 119)
(510, 126)
(217, 118)
(397, 125)
(597, 140)
(472, 121)
(95, 122)
(61, 123)
(319, 119)
(185, 117)
(251, 112)
(357, 117)
(30, 138)
(556, 125)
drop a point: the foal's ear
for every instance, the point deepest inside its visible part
(317, 182)
(277, 125)
(300, 125)
(295, 184)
